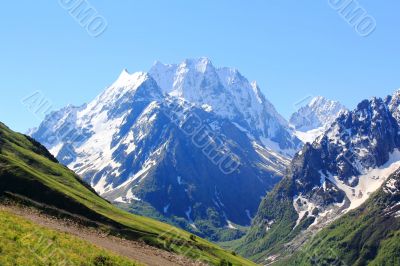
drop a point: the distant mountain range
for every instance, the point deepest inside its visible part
(335, 174)
(202, 148)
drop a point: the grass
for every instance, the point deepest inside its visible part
(27, 169)
(24, 243)
(258, 243)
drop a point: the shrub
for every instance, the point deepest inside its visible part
(224, 262)
(193, 238)
(102, 261)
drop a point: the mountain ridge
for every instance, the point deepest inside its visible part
(368, 235)
(327, 178)
(229, 94)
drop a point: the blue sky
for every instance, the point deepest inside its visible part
(294, 49)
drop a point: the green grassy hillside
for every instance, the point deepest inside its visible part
(259, 243)
(29, 173)
(24, 243)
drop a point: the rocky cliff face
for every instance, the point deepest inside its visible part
(228, 94)
(369, 235)
(336, 173)
(312, 120)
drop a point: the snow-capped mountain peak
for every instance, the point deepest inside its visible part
(318, 101)
(136, 145)
(229, 95)
(200, 65)
(127, 82)
(393, 103)
(164, 74)
(127, 88)
(319, 112)
(311, 120)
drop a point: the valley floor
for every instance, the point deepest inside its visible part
(136, 251)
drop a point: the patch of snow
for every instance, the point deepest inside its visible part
(275, 147)
(272, 161)
(249, 215)
(216, 203)
(230, 225)
(269, 225)
(271, 259)
(166, 207)
(302, 208)
(390, 187)
(310, 135)
(341, 204)
(207, 108)
(101, 186)
(56, 149)
(189, 218)
(130, 196)
(130, 142)
(120, 200)
(240, 127)
(368, 182)
(218, 198)
(323, 181)
(140, 174)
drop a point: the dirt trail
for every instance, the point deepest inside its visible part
(137, 251)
